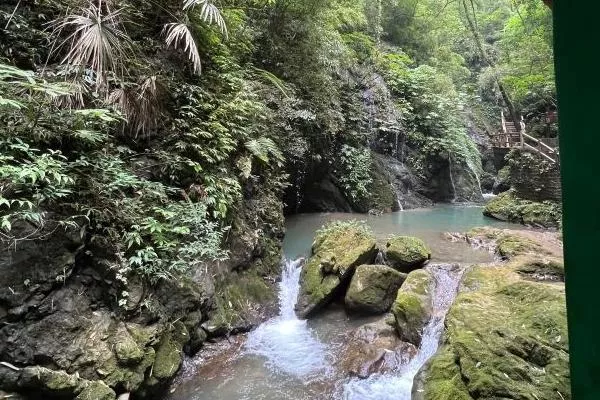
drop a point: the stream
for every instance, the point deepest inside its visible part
(289, 358)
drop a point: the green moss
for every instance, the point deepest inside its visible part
(406, 252)
(237, 296)
(505, 335)
(169, 353)
(507, 207)
(509, 243)
(96, 390)
(338, 249)
(129, 378)
(128, 352)
(412, 307)
(373, 289)
(444, 381)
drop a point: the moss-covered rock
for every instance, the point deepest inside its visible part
(506, 338)
(96, 390)
(128, 352)
(338, 249)
(50, 382)
(406, 253)
(169, 354)
(412, 308)
(373, 289)
(509, 243)
(238, 304)
(508, 207)
(440, 379)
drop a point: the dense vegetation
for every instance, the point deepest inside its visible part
(148, 123)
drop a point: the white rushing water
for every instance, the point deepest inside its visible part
(398, 386)
(285, 341)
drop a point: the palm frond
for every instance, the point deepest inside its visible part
(179, 36)
(141, 106)
(97, 40)
(208, 12)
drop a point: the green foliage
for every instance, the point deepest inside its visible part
(354, 171)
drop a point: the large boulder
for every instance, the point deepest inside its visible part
(373, 289)
(508, 207)
(406, 253)
(412, 308)
(506, 337)
(338, 249)
(374, 348)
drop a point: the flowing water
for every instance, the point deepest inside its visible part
(288, 358)
(398, 386)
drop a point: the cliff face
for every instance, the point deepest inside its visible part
(59, 310)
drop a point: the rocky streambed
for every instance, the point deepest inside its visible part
(369, 316)
(390, 308)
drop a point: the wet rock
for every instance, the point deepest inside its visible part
(412, 308)
(508, 207)
(375, 348)
(338, 249)
(373, 289)
(407, 253)
(506, 338)
(169, 354)
(502, 181)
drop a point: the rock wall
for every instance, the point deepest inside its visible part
(59, 311)
(533, 177)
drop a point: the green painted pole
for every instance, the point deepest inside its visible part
(576, 44)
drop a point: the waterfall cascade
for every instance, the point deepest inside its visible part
(398, 386)
(451, 178)
(286, 341)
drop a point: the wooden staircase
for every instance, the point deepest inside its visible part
(514, 136)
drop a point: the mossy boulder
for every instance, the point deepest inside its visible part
(96, 390)
(373, 289)
(508, 207)
(412, 308)
(406, 253)
(60, 384)
(50, 382)
(505, 338)
(510, 243)
(127, 351)
(338, 249)
(169, 354)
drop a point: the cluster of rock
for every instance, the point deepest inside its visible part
(505, 333)
(347, 264)
(342, 267)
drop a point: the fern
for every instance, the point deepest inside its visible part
(262, 148)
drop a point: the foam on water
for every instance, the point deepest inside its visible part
(398, 386)
(285, 341)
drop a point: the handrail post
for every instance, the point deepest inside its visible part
(522, 131)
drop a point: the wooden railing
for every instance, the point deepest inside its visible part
(513, 138)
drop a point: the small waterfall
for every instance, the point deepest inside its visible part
(397, 193)
(286, 341)
(399, 205)
(451, 178)
(399, 386)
